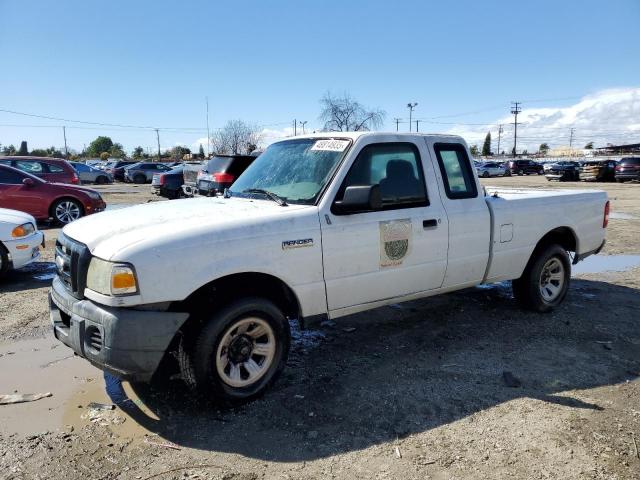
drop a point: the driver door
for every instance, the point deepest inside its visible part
(397, 250)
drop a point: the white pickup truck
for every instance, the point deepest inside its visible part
(319, 226)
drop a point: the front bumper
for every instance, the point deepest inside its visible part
(124, 342)
(25, 250)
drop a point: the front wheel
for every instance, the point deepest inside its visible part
(486, 175)
(545, 281)
(66, 210)
(139, 179)
(4, 261)
(240, 351)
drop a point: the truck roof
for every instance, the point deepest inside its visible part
(356, 135)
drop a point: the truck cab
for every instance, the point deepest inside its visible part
(318, 226)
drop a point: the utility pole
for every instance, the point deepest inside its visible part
(418, 125)
(571, 131)
(303, 124)
(64, 134)
(515, 110)
(295, 127)
(158, 137)
(397, 120)
(411, 106)
(500, 130)
(208, 134)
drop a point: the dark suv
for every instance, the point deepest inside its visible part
(116, 169)
(215, 174)
(628, 169)
(524, 167)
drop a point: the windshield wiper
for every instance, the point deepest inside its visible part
(276, 198)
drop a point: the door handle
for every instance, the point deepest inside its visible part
(431, 223)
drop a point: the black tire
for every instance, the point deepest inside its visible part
(507, 173)
(4, 261)
(520, 172)
(486, 174)
(101, 180)
(139, 178)
(528, 288)
(74, 205)
(198, 359)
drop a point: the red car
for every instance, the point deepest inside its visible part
(63, 203)
(54, 170)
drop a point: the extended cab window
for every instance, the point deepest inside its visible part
(396, 168)
(457, 173)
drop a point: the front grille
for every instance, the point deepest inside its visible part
(72, 263)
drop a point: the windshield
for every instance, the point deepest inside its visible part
(296, 170)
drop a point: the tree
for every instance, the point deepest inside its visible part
(116, 151)
(104, 156)
(236, 137)
(543, 149)
(345, 114)
(201, 151)
(589, 146)
(99, 145)
(486, 147)
(23, 150)
(137, 153)
(178, 152)
(474, 150)
(9, 150)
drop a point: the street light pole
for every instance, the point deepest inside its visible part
(411, 106)
(303, 124)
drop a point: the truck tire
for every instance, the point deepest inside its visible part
(545, 280)
(239, 352)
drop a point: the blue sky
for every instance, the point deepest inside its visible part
(152, 63)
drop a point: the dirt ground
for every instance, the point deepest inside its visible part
(459, 386)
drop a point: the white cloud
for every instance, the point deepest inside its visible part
(607, 116)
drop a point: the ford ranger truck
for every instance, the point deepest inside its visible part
(319, 226)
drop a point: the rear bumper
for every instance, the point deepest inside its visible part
(582, 256)
(124, 342)
(628, 176)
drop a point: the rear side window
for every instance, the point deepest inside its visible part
(54, 168)
(8, 177)
(218, 164)
(457, 173)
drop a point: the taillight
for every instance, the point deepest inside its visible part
(223, 177)
(75, 178)
(605, 221)
(162, 179)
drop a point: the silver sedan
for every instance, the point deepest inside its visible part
(89, 174)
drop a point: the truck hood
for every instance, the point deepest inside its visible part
(111, 233)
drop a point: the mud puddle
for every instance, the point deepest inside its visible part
(45, 365)
(606, 263)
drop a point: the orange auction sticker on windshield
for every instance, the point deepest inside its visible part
(330, 145)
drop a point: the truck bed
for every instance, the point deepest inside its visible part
(521, 216)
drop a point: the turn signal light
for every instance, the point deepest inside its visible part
(23, 230)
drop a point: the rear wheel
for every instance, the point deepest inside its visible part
(239, 353)
(139, 178)
(486, 174)
(66, 210)
(520, 172)
(545, 281)
(101, 180)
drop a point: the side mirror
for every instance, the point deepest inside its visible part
(359, 198)
(28, 182)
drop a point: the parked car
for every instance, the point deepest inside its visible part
(93, 162)
(116, 168)
(524, 167)
(598, 171)
(22, 191)
(628, 169)
(319, 226)
(143, 172)
(54, 170)
(215, 174)
(20, 240)
(490, 169)
(89, 174)
(168, 184)
(563, 171)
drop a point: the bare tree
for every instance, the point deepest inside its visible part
(345, 114)
(236, 137)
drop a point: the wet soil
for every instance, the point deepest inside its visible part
(464, 385)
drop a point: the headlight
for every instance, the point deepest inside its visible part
(23, 230)
(94, 195)
(111, 278)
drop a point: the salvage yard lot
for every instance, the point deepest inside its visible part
(415, 390)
